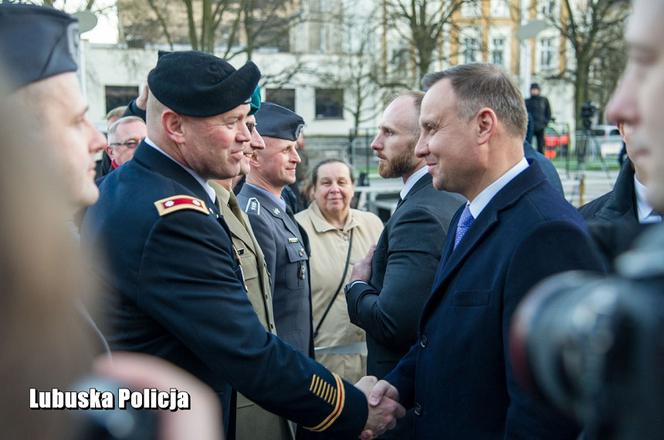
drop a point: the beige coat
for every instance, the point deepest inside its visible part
(329, 247)
(252, 421)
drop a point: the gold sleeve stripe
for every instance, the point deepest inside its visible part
(336, 412)
(333, 397)
(326, 394)
(313, 381)
(319, 386)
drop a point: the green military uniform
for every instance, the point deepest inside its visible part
(252, 421)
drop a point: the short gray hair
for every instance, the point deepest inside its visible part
(480, 85)
(125, 120)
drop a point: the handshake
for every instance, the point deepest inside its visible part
(384, 406)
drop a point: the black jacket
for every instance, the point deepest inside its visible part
(540, 110)
(613, 220)
(402, 271)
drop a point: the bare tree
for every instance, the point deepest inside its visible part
(594, 31)
(421, 25)
(233, 27)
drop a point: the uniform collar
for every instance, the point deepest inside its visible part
(278, 200)
(206, 187)
(322, 225)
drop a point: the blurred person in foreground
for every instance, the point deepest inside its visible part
(175, 284)
(339, 237)
(44, 88)
(514, 231)
(252, 420)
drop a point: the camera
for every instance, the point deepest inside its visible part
(592, 346)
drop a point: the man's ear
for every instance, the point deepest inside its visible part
(108, 151)
(486, 124)
(173, 126)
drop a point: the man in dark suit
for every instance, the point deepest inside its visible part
(618, 217)
(514, 231)
(387, 291)
(176, 287)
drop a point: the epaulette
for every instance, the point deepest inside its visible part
(176, 203)
(253, 206)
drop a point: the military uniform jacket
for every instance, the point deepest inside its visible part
(285, 245)
(252, 420)
(175, 291)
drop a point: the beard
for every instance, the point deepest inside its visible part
(400, 165)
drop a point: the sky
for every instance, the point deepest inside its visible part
(106, 30)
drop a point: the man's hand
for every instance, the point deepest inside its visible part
(142, 100)
(362, 269)
(384, 408)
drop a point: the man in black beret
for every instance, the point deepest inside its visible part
(178, 290)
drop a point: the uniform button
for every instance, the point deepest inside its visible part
(424, 341)
(265, 296)
(417, 410)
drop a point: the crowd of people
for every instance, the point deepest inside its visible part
(186, 260)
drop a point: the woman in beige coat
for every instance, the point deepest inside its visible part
(339, 236)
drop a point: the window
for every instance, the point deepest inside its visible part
(471, 8)
(329, 104)
(546, 52)
(500, 8)
(547, 8)
(119, 95)
(498, 51)
(471, 48)
(283, 97)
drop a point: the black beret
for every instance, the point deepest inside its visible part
(198, 84)
(534, 86)
(273, 120)
(36, 43)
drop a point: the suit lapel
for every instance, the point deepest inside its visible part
(486, 222)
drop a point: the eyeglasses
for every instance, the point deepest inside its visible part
(131, 143)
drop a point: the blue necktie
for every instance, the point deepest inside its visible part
(465, 222)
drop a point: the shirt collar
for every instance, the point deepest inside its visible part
(643, 208)
(278, 200)
(208, 189)
(322, 225)
(478, 204)
(411, 181)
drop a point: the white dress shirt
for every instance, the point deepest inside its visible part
(411, 181)
(643, 208)
(478, 204)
